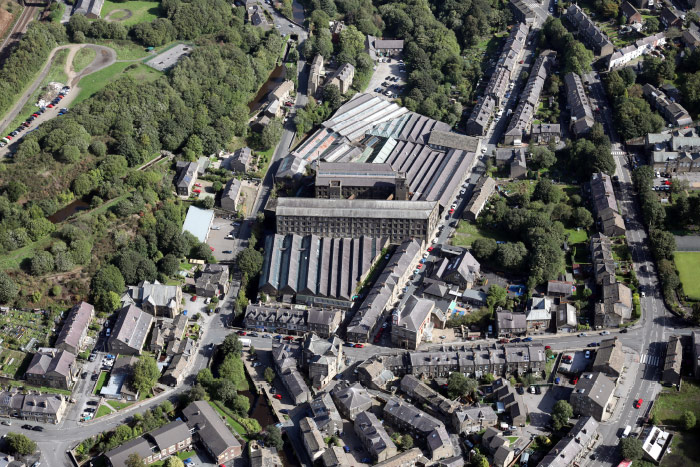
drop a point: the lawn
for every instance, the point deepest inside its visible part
(577, 236)
(83, 58)
(141, 12)
(102, 411)
(512, 439)
(95, 82)
(118, 405)
(42, 389)
(100, 382)
(10, 361)
(126, 50)
(467, 232)
(56, 73)
(688, 265)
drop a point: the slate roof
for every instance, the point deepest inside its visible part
(569, 447)
(352, 398)
(609, 354)
(354, 173)
(355, 208)
(76, 322)
(132, 326)
(317, 266)
(210, 427)
(43, 364)
(213, 276)
(453, 140)
(118, 456)
(186, 174)
(582, 119)
(509, 320)
(414, 313)
(377, 440)
(170, 434)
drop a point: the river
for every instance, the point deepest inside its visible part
(275, 78)
(262, 412)
(66, 212)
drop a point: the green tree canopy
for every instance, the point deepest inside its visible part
(631, 448)
(145, 373)
(20, 444)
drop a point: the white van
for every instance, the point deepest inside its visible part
(627, 431)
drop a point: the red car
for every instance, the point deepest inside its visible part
(197, 184)
(197, 190)
(452, 211)
(359, 346)
(278, 396)
(503, 341)
(50, 106)
(288, 338)
(242, 333)
(430, 248)
(575, 380)
(547, 347)
(194, 298)
(638, 403)
(211, 248)
(420, 266)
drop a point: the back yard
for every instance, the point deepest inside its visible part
(467, 232)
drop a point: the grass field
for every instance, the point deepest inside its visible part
(56, 73)
(126, 50)
(118, 405)
(669, 407)
(141, 12)
(688, 265)
(102, 411)
(100, 382)
(577, 236)
(94, 82)
(83, 58)
(467, 232)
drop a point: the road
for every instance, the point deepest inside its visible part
(104, 58)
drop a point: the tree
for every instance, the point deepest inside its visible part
(542, 157)
(497, 296)
(42, 263)
(231, 345)
(226, 391)
(20, 444)
(241, 405)
(269, 375)
(145, 373)
(479, 460)
(561, 413)
(406, 442)
(250, 262)
(197, 393)
(169, 264)
(173, 461)
(332, 96)
(651, 24)
(663, 243)
(167, 407)
(8, 288)
(271, 134)
(134, 460)
(15, 190)
(511, 256)
(459, 385)
(483, 248)
(631, 449)
(273, 437)
(546, 191)
(582, 217)
(689, 420)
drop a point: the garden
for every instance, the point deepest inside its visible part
(688, 266)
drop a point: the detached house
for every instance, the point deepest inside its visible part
(208, 427)
(213, 281)
(130, 331)
(510, 324)
(462, 270)
(155, 298)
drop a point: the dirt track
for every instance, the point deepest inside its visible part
(129, 14)
(105, 57)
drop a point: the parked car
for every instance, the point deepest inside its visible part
(278, 396)
(27, 427)
(527, 339)
(359, 346)
(38, 428)
(6, 423)
(638, 403)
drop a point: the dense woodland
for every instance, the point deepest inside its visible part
(91, 153)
